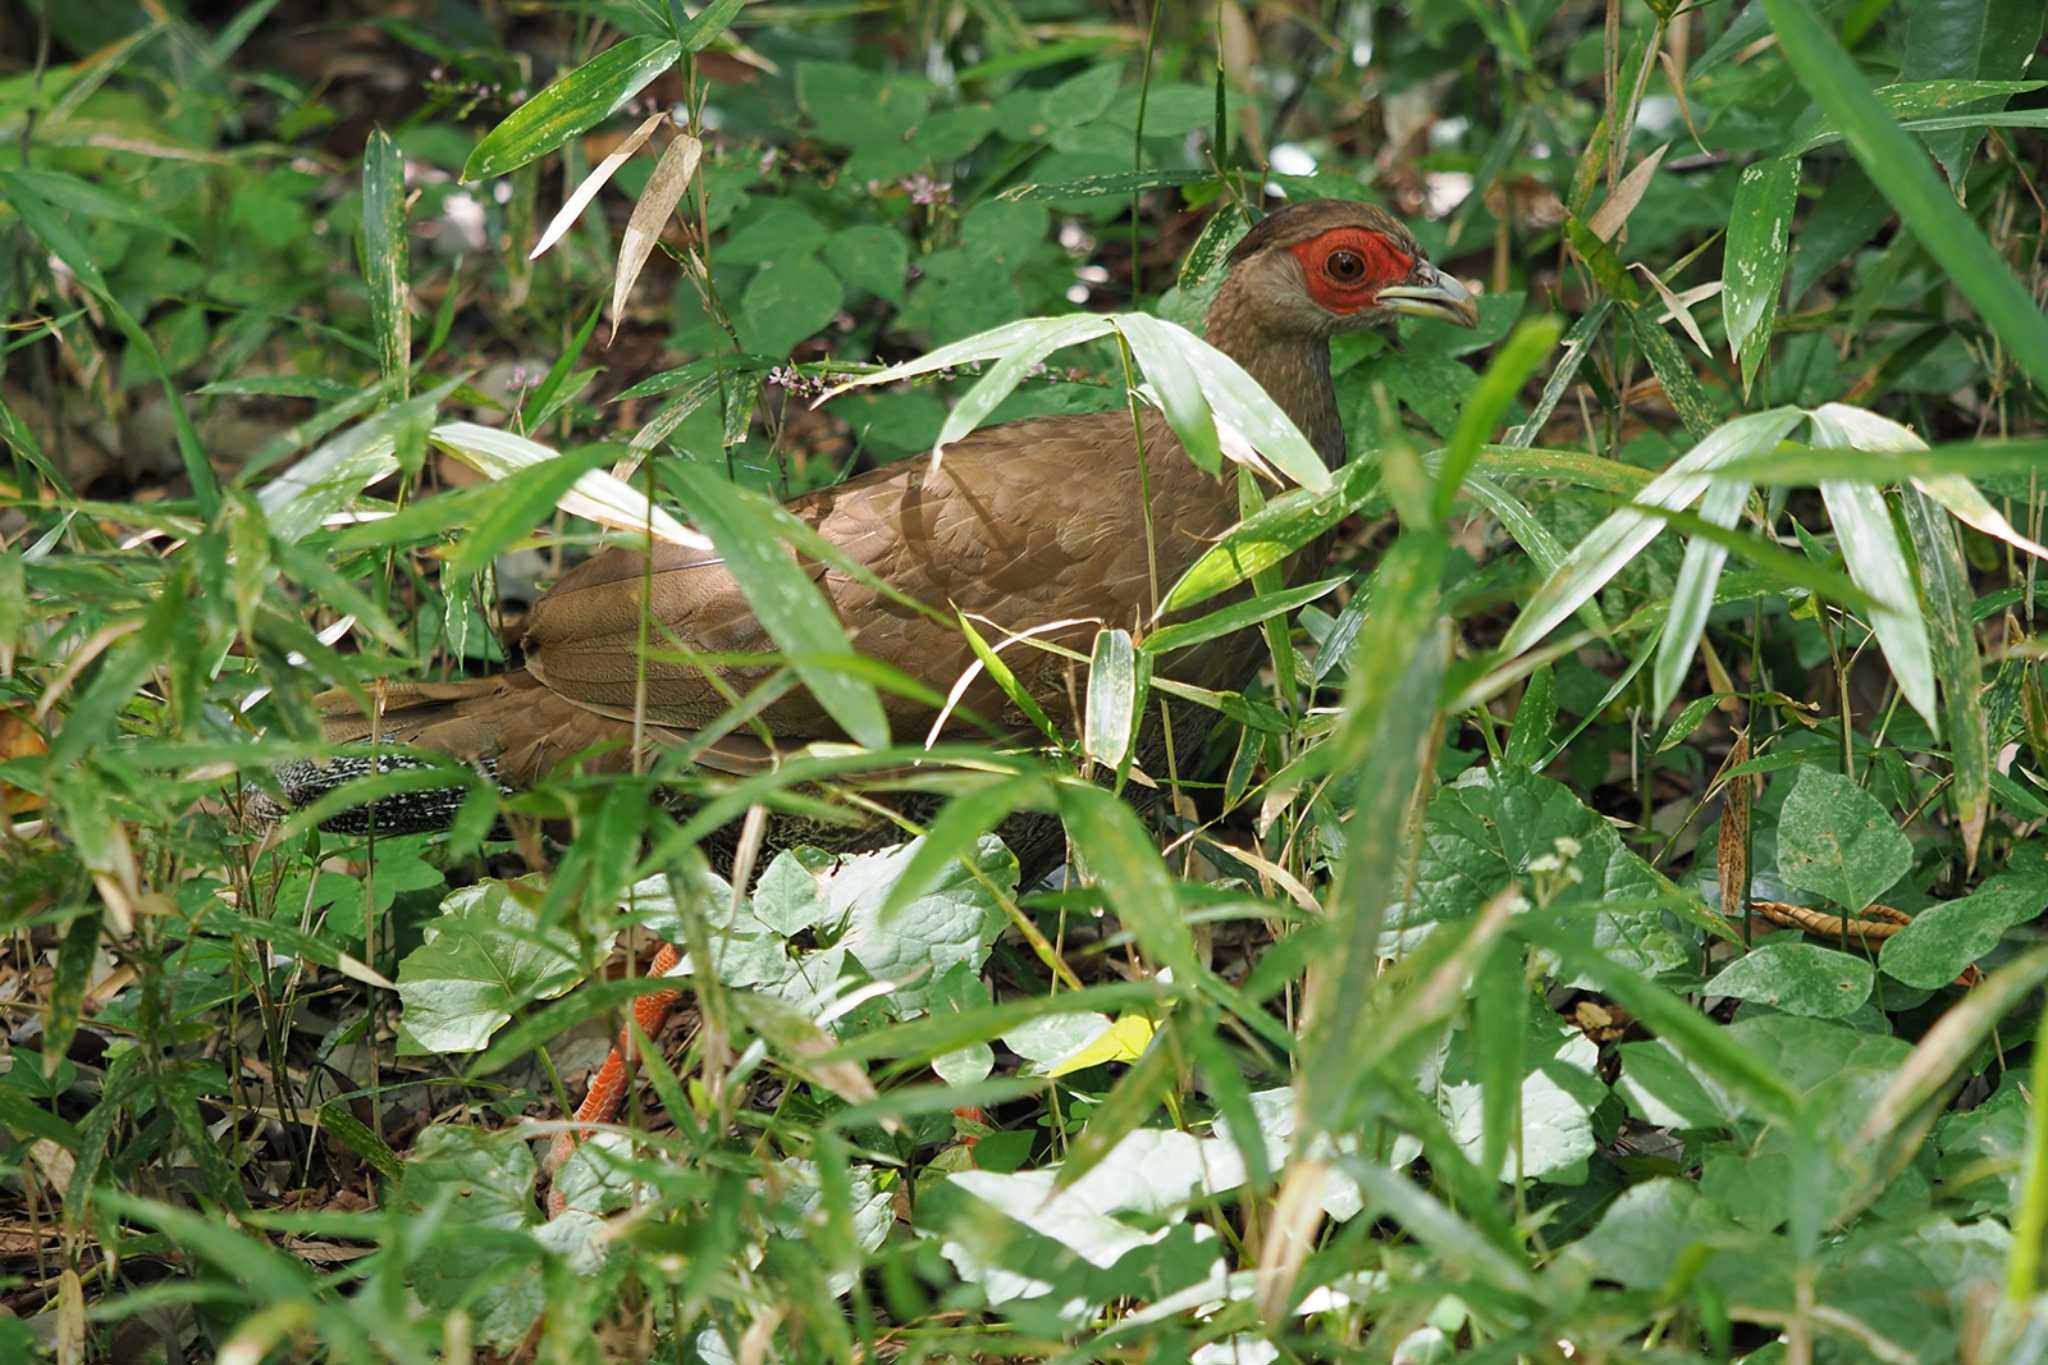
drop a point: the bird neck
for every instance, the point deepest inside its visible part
(1293, 368)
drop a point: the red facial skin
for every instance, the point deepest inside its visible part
(1385, 264)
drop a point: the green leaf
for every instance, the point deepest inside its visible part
(1944, 939)
(1269, 535)
(1026, 344)
(1242, 404)
(359, 1138)
(96, 203)
(1898, 168)
(572, 103)
(853, 107)
(786, 302)
(67, 990)
(1877, 564)
(783, 233)
(1134, 1098)
(871, 257)
(1696, 407)
(1754, 257)
(1529, 738)
(1912, 103)
(711, 21)
(484, 959)
(475, 1189)
(1504, 826)
(949, 924)
(1701, 1042)
(1555, 1086)
(1577, 346)
(43, 219)
(1385, 736)
(1103, 186)
(386, 271)
(1657, 1232)
(1606, 267)
(783, 597)
(1154, 346)
(1118, 853)
(1113, 701)
(297, 501)
(1945, 579)
(1509, 370)
(1981, 39)
(529, 495)
(1798, 978)
(1838, 841)
(1002, 676)
(1235, 617)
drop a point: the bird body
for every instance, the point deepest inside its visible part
(1022, 526)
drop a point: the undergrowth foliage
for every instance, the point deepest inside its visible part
(1606, 930)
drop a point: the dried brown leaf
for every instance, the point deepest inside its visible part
(581, 196)
(671, 177)
(1607, 220)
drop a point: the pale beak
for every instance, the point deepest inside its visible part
(1430, 293)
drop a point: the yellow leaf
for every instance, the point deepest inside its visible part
(1123, 1041)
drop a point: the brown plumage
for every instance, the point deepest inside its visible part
(1023, 524)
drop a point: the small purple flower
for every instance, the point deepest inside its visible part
(926, 191)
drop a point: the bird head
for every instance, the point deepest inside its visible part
(1326, 266)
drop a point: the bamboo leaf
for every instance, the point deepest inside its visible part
(1945, 579)
(1619, 538)
(650, 213)
(572, 103)
(385, 268)
(579, 198)
(1693, 595)
(1754, 258)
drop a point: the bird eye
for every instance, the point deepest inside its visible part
(1345, 267)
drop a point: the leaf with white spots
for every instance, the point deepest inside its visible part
(1754, 258)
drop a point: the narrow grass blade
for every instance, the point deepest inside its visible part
(1389, 715)
(1510, 368)
(1898, 167)
(784, 598)
(1118, 853)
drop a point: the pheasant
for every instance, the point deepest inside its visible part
(1025, 524)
